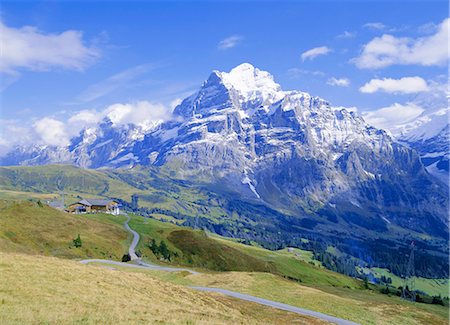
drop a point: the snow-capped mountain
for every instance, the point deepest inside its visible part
(287, 149)
(429, 133)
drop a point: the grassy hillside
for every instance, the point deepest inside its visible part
(29, 228)
(54, 178)
(26, 227)
(365, 307)
(57, 291)
(430, 286)
(361, 306)
(154, 188)
(213, 255)
(217, 210)
(196, 249)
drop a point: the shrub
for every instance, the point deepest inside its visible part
(437, 300)
(77, 242)
(385, 290)
(126, 258)
(366, 282)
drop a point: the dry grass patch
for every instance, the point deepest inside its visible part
(362, 306)
(48, 290)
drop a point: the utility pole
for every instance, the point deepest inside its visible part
(196, 221)
(409, 283)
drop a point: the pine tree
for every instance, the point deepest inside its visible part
(154, 247)
(164, 250)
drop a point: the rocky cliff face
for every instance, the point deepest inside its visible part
(287, 149)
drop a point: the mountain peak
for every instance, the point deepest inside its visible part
(251, 83)
(243, 68)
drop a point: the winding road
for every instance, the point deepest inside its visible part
(139, 264)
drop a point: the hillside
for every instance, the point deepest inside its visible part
(155, 188)
(283, 276)
(219, 211)
(27, 227)
(72, 293)
(195, 248)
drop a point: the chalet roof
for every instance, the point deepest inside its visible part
(91, 202)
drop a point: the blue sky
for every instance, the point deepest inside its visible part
(90, 55)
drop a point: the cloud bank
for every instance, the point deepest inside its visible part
(29, 48)
(406, 85)
(389, 50)
(58, 131)
(390, 117)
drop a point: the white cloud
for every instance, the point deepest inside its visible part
(421, 118)
(377, 25)
(297, 73)
(388, 118)
(29, 48)
(428, 28)
(406, 85)
(313, 53)
(141, 113)
(388, 50)
(51, 131)
(340, 82)
(58, 131)
(119, 80)
(229, 42)
(85, 117)
(347, 34)
(175, 102)
(13, 132)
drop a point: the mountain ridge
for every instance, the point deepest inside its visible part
(287, 149)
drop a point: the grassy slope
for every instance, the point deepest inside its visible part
(25, 227)
(72, 293)
(53, 178)
(154, 189)
(430, 286)
(362, 306)
(320, 289)
(290, 266)
(210, 252)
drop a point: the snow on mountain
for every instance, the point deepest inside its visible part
(429, 133)
(253, 85)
